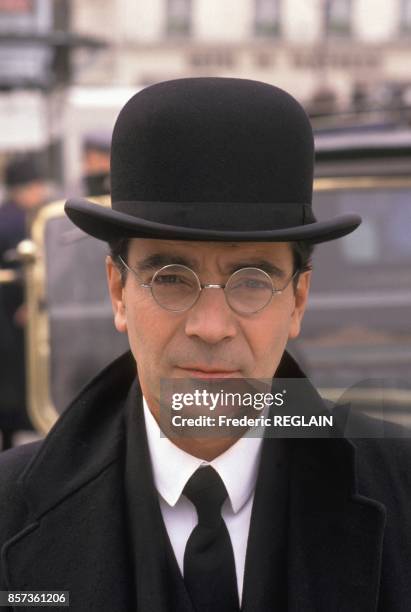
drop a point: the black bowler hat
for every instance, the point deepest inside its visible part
(211, 159)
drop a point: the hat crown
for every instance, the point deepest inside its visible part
(212, 140)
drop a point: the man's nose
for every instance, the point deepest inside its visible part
(211, 319)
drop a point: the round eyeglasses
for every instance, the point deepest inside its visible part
(177, 288)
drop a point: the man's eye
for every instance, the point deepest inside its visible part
(251, 283)
(169, 279)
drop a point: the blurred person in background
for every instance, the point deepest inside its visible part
(96, 164)
(26, 190)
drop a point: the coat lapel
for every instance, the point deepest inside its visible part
(310, 531)
(265, 575)
(315, 542)
(335, 535)
(75, 538)
(78, 546)
(158, 580)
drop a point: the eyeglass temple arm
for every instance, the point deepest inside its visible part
(132, 271)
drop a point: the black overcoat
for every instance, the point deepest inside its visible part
(63, 516)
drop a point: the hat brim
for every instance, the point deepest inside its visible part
(107, 224)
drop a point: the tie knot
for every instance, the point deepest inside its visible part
(207, 492)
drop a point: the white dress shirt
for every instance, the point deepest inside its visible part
(172, 468)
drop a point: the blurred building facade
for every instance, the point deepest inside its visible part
(67, 66)
(329, 53)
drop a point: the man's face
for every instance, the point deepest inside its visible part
(209, 339)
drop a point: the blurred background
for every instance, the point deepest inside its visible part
(68, 66)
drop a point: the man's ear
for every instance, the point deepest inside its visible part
(116, 289)
(301, 298)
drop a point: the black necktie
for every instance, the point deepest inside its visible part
(209, 569)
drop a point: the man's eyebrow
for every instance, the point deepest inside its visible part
(263, 264)
(159, 260)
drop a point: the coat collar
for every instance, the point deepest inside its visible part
(75, 534)
(85, 440)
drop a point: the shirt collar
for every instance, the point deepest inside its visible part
(172, 467)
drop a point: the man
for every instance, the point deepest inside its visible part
(210, 230)
(96, 164)
(26, 190)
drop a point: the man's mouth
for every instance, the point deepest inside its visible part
(200, 371)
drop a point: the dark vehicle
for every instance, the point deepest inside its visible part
(357, 330)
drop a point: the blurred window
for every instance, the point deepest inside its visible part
(376, 257)
(405, 16)
(25, 65)
(357, 326)
(212, 59)
(267, 17)
(179, 17)
(337, 18)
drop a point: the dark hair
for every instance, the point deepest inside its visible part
(119, 248)
(302, 254)
(25, 168)
(302, 257)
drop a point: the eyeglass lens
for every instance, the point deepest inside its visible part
(177, 288)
